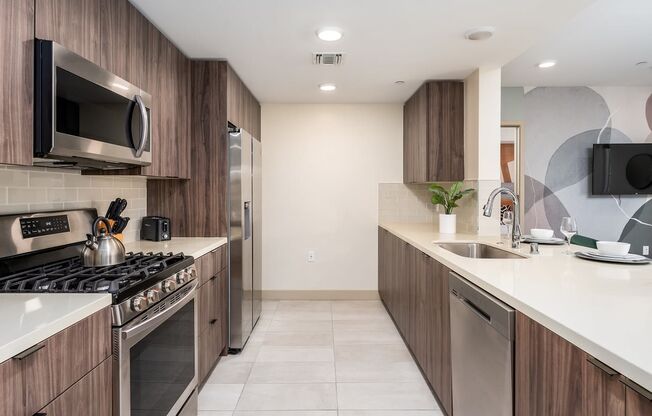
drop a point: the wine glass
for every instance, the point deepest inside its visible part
(569, 229)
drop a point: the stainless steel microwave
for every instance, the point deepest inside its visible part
(85, 116)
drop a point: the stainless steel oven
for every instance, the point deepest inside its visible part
(155, 358)
(85, 116)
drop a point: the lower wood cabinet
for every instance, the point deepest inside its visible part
(68, 370)
(92, 395)
(212, 298)
(414, 288)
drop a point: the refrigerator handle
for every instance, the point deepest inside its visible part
(247, 220)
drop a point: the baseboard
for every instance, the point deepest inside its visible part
(320, 295)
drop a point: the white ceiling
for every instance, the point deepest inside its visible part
(599, 46)
(270, 42)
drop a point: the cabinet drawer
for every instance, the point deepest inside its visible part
(65, 358)
(89, 396)
(210, 264)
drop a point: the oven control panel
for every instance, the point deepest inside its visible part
(35, 227)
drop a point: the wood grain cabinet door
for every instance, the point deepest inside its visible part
(637, 404)
(17, 75)
(75, 24)
(445, 131)
(11, 388)
(66, 358)
(92, 395)
(604, 393)
(549, 372)
(415, 137)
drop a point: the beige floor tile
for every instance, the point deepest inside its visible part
(230, 372)
(373, 353)
(248, 354)
(287, 413)
(214, 413)
(295, 354)
(292, 373)
(385, 396)
(357, 305)
(360, 314)
(360, 325)
(320, 396)
(385, 336)
(219, 396)
(289, 315)
(269, 305)
(301, 326)
(377, 372)
(304, 306)
(298, 339)
(390, 413)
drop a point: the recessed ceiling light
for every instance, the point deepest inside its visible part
(327, 87)
(329, 34)
(547, 64)
(480, 33)
(399, 82)
(641, 63)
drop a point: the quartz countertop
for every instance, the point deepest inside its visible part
(604, 309)
(29, 318)
(190, 246)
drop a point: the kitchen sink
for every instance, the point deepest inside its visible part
(479, 251)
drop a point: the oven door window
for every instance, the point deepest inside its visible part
(163, 364)
(85, 109)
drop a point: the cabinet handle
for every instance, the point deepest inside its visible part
(212, 321)
(602, 366)
(213, 278)
(40, 414)
(31, 350)
(637, 388)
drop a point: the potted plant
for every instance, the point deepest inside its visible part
(448, 199)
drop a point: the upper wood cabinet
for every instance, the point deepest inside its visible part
(433, 133)
(243, 110)
(17, 87)
(74, 24)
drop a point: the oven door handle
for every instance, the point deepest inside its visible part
(155, 320)
(144, 130)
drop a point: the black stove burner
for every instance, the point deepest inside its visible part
(71, 276)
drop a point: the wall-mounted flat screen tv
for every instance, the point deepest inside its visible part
(622, 169)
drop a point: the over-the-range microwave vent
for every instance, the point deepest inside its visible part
(327, 58)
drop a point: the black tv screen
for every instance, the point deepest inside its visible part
(622, 169)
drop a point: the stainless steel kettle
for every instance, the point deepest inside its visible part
(102, 248)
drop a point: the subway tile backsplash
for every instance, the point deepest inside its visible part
(32, 189)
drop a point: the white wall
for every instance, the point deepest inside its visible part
(321, 168)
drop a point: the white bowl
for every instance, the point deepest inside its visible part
(613, 248)
(541, 233)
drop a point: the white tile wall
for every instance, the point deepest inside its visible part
(31, 189)
(398, 202)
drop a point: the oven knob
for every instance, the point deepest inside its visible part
(182, 277)
(139, 303)
(169, 285)
(153, 296)
(192, 272)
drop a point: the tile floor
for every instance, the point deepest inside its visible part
(319, 358)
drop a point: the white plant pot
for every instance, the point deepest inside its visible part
(447, 223)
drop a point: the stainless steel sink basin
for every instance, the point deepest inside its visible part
(479, 251)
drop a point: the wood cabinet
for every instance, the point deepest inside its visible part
(74, 24)
(637, 404)
(92, 395)
(213, 304)
(414, 288)
(433, 133)
(17, 75)
(604, 393)
(243, 110)
(71, 369)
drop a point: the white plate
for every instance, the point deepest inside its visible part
(585, 255)
(628, 256)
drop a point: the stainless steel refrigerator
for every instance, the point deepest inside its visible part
(245, 280)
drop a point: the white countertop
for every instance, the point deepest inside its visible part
(604, 309)
(27, 319)
(190, 246)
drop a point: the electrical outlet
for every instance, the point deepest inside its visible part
(646, 250)
(312, 256)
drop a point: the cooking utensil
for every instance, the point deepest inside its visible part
(110, 209)
(120, 208)
(120, 225)
(112, 215)
(102, 248)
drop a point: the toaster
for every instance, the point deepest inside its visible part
(155, 229)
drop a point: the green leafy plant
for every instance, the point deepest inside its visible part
(448, 198)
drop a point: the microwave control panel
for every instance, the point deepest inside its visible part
(35, 227)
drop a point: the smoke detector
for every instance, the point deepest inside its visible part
(327, 58)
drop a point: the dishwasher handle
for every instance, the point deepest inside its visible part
(493, 311)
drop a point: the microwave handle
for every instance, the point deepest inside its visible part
(144, 130)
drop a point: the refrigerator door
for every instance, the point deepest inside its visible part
(257, 185)
(240, 241)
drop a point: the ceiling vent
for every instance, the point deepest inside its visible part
(322, 58)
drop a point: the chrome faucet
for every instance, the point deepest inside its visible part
(516, 226)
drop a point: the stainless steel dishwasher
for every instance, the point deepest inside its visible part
(482, 351)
